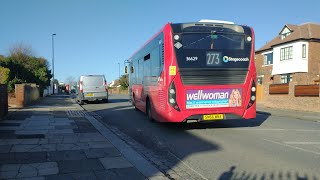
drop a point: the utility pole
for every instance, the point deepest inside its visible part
(53, 63)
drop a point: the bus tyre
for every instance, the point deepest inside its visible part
(134, 104)
(149, 114)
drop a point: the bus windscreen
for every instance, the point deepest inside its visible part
(212, 48)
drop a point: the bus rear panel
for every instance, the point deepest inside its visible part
(198, 72)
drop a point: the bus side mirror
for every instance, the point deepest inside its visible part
(126, 69)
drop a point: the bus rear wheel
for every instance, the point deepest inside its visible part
(149, 114)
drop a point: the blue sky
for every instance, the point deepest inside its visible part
(93, 36)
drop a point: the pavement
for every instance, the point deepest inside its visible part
(302, 115)
(56, 139)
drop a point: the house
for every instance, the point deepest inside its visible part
(114, 83)
(288, 61)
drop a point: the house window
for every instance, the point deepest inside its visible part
(304, 50)
(286, 78)
(286, 53)
(285, 35)
(268, 59)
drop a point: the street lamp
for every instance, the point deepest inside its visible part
(119, 70)
(53, 63)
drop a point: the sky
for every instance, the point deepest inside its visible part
(93, 36)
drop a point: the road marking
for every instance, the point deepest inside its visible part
(187, 165)
(279, 129)
(294, 147)
(303, 143)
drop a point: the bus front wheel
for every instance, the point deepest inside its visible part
(134, 103)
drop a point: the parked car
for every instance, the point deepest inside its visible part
(92, 88)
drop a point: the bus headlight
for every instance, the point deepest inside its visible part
(253, 89)
(172, 91)
(253, 98)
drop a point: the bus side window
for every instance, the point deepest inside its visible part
(131, 69)
(140, 72)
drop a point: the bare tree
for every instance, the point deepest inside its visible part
(20, 48)
(71, 81)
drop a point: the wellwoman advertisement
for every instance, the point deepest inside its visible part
(213, 98)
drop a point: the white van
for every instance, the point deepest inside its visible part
(92, 88)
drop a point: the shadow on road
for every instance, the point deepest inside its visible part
(159, 140)
(235, 123)
(168, 145)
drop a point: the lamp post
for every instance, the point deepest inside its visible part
(53, 63)
(119, 71)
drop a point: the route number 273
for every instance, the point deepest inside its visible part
(213, 58)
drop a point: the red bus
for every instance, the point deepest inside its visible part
(195, 72)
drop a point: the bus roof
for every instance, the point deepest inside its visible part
(216, 21)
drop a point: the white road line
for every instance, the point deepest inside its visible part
(188, 165)
(277, 129)
(294, 147)
(304, 143)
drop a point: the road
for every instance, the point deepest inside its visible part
(268, 147)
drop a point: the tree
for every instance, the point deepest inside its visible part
(24, 67)
(4, 75)
(55, 81)
(2, 58)
(124, 81)
(71, 81)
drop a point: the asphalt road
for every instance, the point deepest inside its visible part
(268, 147)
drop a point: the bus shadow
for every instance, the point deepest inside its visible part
(235, 123)
(166, 145)
(118, 100)
(151, 139)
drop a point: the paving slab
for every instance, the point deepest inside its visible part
(23, 157)
(34, 148)
(79, 165)
(120, 174)
(28, 170)
(103, 152)
(31, 131)
(78, 176)
(115, 162)
(66, 155)
(5, 148)
(72, 146)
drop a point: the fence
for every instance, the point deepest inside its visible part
(3, 100)
(306, 90)
(279, 89)
(118, 91)
(26, 94)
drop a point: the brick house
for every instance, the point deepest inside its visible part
(290, 59)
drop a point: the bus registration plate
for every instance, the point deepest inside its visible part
(212, 117)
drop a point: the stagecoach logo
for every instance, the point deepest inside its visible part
(194, 58)
(227, 59)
